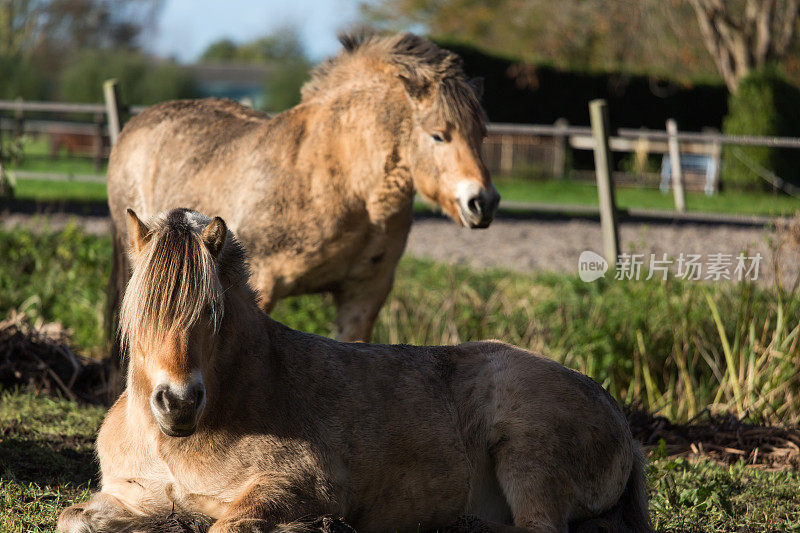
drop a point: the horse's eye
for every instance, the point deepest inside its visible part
(436, 137)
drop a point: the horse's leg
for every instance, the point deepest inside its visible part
(530, 487)
(103, 512)
(271, 504)
(358, 303)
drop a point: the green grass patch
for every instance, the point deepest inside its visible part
(46, 458)
(33, 153)
(36, 158)
(50, 191)
(706, 497)
(60, 277)
(552, 192)
(570, 192)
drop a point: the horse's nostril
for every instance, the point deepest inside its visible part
(474, 205)
(160, 399)
(199, 398)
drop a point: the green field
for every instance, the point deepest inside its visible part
(723, 346)
(585, 193)
(553, 191)
(36, 157)
(55, 191)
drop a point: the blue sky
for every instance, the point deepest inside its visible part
(186, 27)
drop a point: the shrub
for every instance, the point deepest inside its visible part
(21, 78)
(282, 85)
(764, 104)
(141, 81)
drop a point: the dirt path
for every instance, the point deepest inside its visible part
(556, 244)
(543, 243)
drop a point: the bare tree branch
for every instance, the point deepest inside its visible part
(743, 35)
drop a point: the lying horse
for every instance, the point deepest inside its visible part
(231, 414)
(321, 195)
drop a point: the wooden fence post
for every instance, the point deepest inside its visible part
(712, 185)
(5, 184)
(676, 172)
(111, 95)
(560, 148)
(99, 140)
(598, 113)
(506, 154)
(19, 120)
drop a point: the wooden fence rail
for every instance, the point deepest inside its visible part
(508, 145)
(59, 107)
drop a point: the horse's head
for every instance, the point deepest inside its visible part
(171, 312)
(447, 166)
(439, 103)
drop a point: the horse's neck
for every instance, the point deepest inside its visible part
(369, 148)
(243, 344)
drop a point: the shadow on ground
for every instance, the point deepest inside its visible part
(47, 463)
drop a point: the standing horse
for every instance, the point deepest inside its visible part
(233, 415)
(321, 195)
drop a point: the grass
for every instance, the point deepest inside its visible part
(569, 192)
(46, 464)
(552, 191)
(46, 458)
(547, 192)
(58, 277)
(54, 191)
(37, 158)
(724, 346)
(704, 496)
(678, 347)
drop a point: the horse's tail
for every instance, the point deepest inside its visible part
(631, 513)
(120, 271)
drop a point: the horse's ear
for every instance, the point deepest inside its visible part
(214, 236)
(416, 88)
(138, 233)
(477, 86)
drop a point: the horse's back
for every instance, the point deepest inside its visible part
(211, 109)
(187, 153)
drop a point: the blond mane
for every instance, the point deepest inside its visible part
(429, 72)
(174, 283)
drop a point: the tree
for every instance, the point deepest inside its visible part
(17, 25)
(282, 50)
(653, 36)
(49, 31)
(746, 35)
(141, 80)
(220, 51)
(281, 45)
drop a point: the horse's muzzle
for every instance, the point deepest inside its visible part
(478, 210)
(177, 409)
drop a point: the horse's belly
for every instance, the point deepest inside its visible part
(411, 497)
